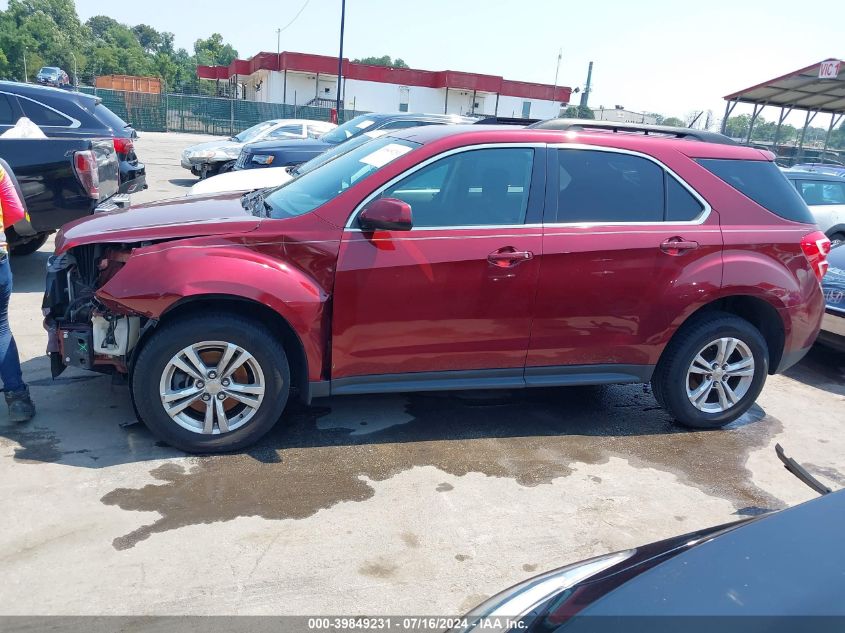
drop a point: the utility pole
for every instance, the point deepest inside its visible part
(557, 70)
(585, 96)
(340, 55)
(25, 78)
(75, 76)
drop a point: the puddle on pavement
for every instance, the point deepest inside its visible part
(532, 437)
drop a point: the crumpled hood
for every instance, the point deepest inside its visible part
(168, 219)
(231, 147)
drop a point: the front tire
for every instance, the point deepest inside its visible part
(211, 383)
(712, 371)
(29, 247)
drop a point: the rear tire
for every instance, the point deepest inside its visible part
(712, 371)
(239, 378)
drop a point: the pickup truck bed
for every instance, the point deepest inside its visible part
(51, 176)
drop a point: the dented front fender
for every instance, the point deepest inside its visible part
(157, 278)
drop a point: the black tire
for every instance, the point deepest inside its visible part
(669, 382)
(226, 167)
(169, 339)
(837, 238)
(28, 248)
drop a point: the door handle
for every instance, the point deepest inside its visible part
(508, 256)
(677, 246)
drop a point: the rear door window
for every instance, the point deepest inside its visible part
(608, 187)
(681, 205)
(764, 183)
(40, 114)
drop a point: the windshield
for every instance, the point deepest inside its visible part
(334, 152)
(252, 133)
(309, 191)
(351, 128)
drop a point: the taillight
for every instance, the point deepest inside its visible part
(85, 165)
(816, 247)
(123, 145)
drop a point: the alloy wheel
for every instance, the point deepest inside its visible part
(720, 375)
(212, 387)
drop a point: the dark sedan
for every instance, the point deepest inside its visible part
(778, 571)
(832, 333)
(288, 153)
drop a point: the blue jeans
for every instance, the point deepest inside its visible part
(10, 362)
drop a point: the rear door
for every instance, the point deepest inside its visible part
(627, 248)
(456, 292)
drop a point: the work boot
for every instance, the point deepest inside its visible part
(20, 404)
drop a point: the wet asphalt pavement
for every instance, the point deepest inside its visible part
(417, 503)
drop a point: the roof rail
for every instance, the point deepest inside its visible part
(641, 128)
(505, 120)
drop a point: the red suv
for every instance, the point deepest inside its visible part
(449, 257)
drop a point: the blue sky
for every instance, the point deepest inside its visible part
(658, 55)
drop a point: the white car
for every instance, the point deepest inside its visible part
(252, 179)
(219, 156)
(825, 196)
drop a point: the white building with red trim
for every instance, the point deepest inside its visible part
(304, 79)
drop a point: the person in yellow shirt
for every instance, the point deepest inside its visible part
(21, 408)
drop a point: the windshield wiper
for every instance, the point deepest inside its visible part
(256, 204)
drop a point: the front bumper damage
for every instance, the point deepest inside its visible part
(81, 331)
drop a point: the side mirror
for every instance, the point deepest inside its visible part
(386, 214)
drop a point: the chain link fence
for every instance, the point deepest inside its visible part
(204, 115)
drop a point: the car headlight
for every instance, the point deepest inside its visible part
(200, 153)
(263, 159)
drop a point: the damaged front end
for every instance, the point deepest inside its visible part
(83, 332)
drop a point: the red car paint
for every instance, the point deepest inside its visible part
(392, 302)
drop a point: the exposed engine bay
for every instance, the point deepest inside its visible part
(82, 332)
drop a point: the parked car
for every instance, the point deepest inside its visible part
(832, 333)
(251, 179)
(292, 153)
(825, 195)
(65, 114)
(219, 156)
(52, 76)
(59, 180)
(449, 257)
(830, 168)
(777, 571)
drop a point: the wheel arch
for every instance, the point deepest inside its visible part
(759, 312)
(241, 306)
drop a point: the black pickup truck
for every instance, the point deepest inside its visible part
(59, 179)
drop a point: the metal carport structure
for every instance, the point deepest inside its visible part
(819, 88)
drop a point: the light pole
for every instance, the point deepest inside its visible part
(25, 78)
(340, 54)
(75, 76)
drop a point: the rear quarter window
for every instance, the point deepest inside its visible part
(109, 119)
(764, 183)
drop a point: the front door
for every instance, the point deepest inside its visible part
(629, 250)
(456, 292)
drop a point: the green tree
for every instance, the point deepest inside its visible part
(578, 112)
(737, 126)
(672, 121)
(384, 60)
(48, 32)
(213, 51)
